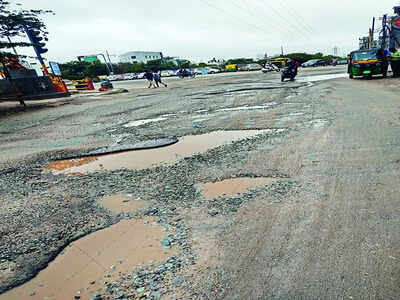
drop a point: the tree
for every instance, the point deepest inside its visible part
(76, 70)
(13, 22)
(239, 61)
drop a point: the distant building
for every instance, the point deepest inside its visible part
(134, 57)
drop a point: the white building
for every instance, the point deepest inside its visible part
(139, 56)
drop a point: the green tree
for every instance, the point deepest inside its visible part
(96, 69)
(239, 61)
(12, 23)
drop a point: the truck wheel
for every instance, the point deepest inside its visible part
(282, 78)
(351, 76)
(384, 74)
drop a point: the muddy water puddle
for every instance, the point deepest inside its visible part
(120, 203)
(233, 186)
(98, 257)
(66, 164)
(142, 159)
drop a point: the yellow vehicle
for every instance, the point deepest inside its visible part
(231, 68)
(280, 62)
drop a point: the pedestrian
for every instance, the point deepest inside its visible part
(149, 76)
(157, 79)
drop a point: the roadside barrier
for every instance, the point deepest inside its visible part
(81, 85)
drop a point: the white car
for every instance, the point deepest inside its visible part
(116, 77)
(213, 70)
(167, 73)
(129, 76)
(253, 67)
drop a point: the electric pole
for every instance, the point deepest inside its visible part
(109, 60)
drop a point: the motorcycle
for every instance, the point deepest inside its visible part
(288, 73)
(185, 73)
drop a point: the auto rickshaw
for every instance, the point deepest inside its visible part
(367, 63)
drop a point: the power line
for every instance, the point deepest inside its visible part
(233, 16)
(281, 17)
(300, 18)
(250, 13)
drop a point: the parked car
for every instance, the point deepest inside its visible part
(116, 77)
(314, 63)
(129, 76)
(213, 70)
(253, 67)
(242, 67)
(167, 73)
(140, 75)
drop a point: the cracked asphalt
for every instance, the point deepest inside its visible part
(327, 229)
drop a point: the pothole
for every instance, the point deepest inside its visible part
(66, 164)
(264, 106)
(318, 123)
(85, 265)
(143, 122)
(233, 186)
(121, 203)
(142, 159)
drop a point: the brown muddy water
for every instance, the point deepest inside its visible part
(96, 258)
(233, 186)
(120, 203)
(142, 159)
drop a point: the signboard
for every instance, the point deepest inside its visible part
(91, 58)
(56, 69)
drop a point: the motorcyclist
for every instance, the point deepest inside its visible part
(291, 64)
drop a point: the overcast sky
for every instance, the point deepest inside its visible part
(203, 29)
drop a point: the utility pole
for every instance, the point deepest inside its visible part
(384, 33)
(109, 60)
(281, 50)
(371, 34)
(373, 29)
(105, 60)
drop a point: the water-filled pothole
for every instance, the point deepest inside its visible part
(142, 159)
(233, 186)
(96, 258)
(120, 203)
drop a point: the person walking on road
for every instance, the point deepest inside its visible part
(149, 76)
(157, 80)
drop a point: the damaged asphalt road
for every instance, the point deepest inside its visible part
(327, 226)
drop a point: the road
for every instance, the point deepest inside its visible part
(326, 226)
